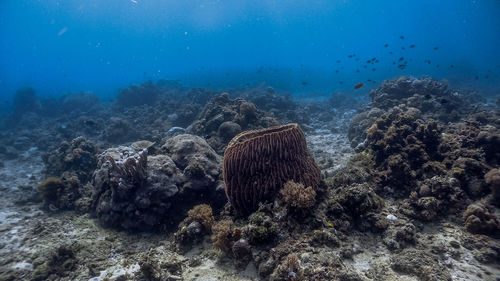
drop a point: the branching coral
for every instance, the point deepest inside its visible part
(202, 213)
(297, 195)
(223, 235)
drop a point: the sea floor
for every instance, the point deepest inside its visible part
(28, 234)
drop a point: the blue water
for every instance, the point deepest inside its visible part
(297, 46)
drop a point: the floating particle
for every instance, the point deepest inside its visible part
(62, 31)
(359, 85)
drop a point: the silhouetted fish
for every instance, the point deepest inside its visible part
(436, 48)
(412, 46)
(401, 58)
(341, 82)
(304, 83)
(359, 85)
(386, 45)
(338, 61)
(373, 69)
(402, 48)
(476, 77)
(401, 37)
(390, 53)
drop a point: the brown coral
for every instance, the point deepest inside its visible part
(257, 163)
(297, 195)
(203, 214)
(222, 235)
(492, 178)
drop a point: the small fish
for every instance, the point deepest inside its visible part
(386, 45)
(452, 66)
(349, 56)
(368, 61)
(328, 223)
(412, 46)
(436, 48)
(486, 76)
(476, 77)
(359, 85)
(336, 71)
(401, 58)
(304, 83)
(373, 69)
(401, 37)
(390, 53)
(402, 48)
(338, 61)
(357, 70)
(341, 82)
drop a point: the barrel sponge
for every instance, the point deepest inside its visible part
(258, 163)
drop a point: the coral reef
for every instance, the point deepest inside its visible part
(492, 178)
(136, 191)
(222, 118)
(478, 219)
(77, 157)
(432, 98)
(258, 163)
(146, 93)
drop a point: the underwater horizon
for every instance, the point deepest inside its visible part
(301, 47)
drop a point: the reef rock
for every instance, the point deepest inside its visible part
(432, 98)
(136, 191)
(223, 118)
